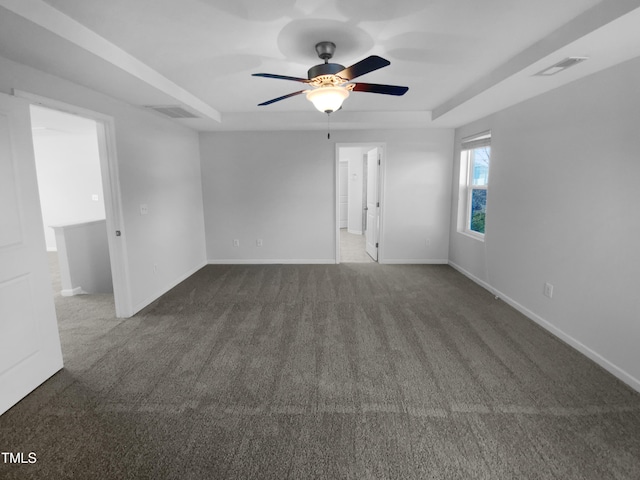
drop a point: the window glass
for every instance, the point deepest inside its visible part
(478, 210)
(474, 175)
(480, 165)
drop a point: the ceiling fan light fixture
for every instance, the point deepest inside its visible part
(328, 99)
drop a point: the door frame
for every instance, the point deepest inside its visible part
(382, 146)
(371, 229)
(105, 127)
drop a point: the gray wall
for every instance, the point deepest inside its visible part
(563, 208)
(280, 187)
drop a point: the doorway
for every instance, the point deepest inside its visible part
(70, 182)
(108, 202)
(358, 202)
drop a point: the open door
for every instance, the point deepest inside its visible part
(372, 208)
(29, 341)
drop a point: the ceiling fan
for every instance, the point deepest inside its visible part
(331, 82)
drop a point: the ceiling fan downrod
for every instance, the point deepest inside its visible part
(325, 51)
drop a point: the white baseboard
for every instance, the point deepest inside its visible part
(415, 261)
(161, 292)
(568, 339)
(71, 292)
(477, 280)
(322, 261)
(270, 261)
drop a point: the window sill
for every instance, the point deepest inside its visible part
(475, 236)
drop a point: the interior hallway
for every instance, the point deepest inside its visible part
(352, 248)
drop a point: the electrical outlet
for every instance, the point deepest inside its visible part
(428, 242)
(259, 242)
(95, 197)
(144, 209)
(155, 268)
(548, 290)
(236, 242)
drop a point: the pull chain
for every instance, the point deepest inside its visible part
(328, 125)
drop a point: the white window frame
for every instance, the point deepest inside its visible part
(466, 182)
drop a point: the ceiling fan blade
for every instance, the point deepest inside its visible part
(377, 88)
(367, 65)
(269, 102)
(280, 77)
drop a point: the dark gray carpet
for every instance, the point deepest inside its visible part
(360, 371)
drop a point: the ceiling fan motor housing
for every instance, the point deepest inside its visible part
(324, 69)
(325, 51)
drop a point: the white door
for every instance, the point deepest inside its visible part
(373, 207)
(29, 341)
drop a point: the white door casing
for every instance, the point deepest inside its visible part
(29, 341)
(372, 202)
(344, 194)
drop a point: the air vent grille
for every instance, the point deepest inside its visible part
(172, 111)
(561, 66)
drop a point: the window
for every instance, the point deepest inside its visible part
(474, 182)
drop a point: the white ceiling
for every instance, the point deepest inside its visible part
(462, 59)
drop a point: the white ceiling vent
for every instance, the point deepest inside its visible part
(561, 66)
(172, 111)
